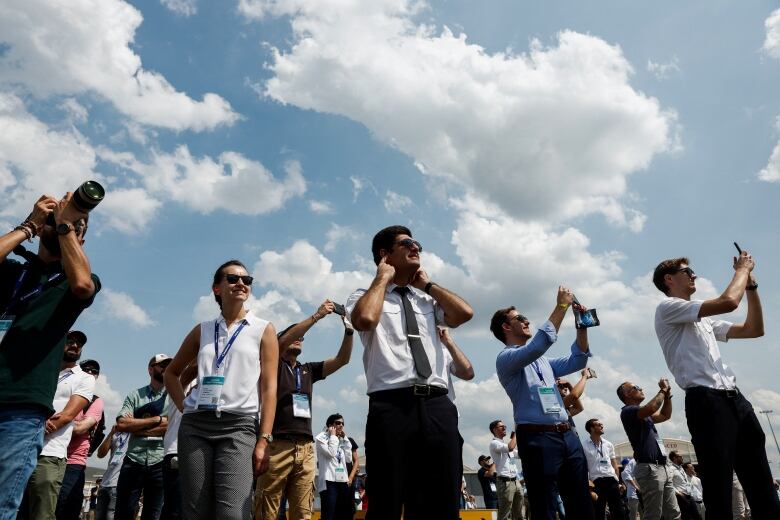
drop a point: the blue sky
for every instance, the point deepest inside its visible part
(526, 144)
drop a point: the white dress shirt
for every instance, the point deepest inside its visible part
(680, 480)
(690, 344)
(628, 476)
(241, 368)
(387, 358)
(70, 382)
(505, 460)
(331, 460)
(599, 456)
(697, 492)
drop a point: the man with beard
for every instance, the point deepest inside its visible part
(143, 416)
(39, 302)
(74, 391)
(291, 468)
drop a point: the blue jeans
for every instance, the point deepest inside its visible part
(335, 502)
(21, 441)
(133, 479)
(171, 489)
(555, 457)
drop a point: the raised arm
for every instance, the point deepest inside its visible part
(269, 359)
(654, 404)
(461, 364)
(368, 309)
(188, 351)
(33, 223)
(344, 354)
(564, 300)
(300, 329)
(456, 310)
(665, 413)
(74, 259)
(729, 300)
(753, 327)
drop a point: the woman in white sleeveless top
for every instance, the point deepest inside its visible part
(220, 450)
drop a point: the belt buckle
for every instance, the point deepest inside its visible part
(421, 390)
(733, 392)
(560, 427)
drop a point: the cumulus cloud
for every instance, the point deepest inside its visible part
(395, 202)
(85, 46)
(771, 172)
(272, 305)
(120, 306)
(338, 234)
(129, 210)
(504, 126)
(181, 7)
(772, 41)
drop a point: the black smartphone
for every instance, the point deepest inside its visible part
(738, 249)
(339, 309)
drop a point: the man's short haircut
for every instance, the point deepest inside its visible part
(673, 454)
(385, 239)
(590, 423)
(670, 266)
(496, 322)
(620, 393)
(333, 418)
(218, 275)
(493, 424)
(686, 464)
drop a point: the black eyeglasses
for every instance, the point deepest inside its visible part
(687, 270)
(408, 242)
(234, 278)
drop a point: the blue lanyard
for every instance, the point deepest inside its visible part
(14, 301)
(599, 448)
(63, 378)
(121, 441)
(297, 371)
(538, 371)
(220, 358)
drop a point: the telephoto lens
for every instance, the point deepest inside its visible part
(88, 196)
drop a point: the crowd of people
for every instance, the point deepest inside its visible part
(223, 429)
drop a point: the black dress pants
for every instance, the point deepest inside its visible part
(728, 437)
(414, 457)
(609, 493)
(688, 509)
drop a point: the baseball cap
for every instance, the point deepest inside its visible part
(79, 336)
(90, 363)
(159, 358)
(482, 457)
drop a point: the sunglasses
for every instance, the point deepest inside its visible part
(233, 279)
(73, 342)
(91, 370)
(687, 270)
(635, 388)
(339, 423)
(408, 242)
(519, 318)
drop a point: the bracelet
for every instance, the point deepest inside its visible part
(315, 318)
(428, 287)
(27, 233)
(33, 228)
(563, 306)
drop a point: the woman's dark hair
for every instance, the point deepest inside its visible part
(385, 239)
(218, 275)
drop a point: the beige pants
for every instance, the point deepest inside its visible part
(510, 500)
(290, 473)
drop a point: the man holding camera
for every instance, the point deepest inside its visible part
(508, 489)
(549, 448)
(39, 301)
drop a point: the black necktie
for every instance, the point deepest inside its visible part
(421, 363)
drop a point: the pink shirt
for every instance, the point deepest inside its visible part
(78, 449)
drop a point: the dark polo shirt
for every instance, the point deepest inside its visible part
(643, 436)
(31, 351)
(285, 423)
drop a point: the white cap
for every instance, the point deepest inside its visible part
(159, 358)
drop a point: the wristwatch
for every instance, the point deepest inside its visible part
(64, 229)
(752, 287)
(268, 437)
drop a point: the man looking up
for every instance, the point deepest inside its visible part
(603, 470)
(39, 302)
(689, 340)
(549, 450)
(682, 488)
(407, 368)
(508, 489)
(652, 473)
(291, 466)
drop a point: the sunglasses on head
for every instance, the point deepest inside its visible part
(408, 242)
(234, 278)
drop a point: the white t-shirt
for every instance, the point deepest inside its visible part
(70, 381)
(331, 460)
(599, 456)
(690, 344)
(387, 357)
(506, 461)
(241, 367)
(118, 451)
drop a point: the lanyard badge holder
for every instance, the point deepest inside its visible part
(301, 404)
(585, 319)
(548, 397)
(210, 396)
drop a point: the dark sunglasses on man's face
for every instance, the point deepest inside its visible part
(687, 270)
(91, 370)
(519, 318)
(408, 242)
(234, 278)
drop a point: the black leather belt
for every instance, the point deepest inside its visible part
(658, 462)
(505, 479)
(293, 437)
(731, 393)
(557, 427)
(418, 391)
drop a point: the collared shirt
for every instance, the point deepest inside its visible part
(599, 456)
(517, 367)
(680, 480)
(285, 422)
(331, 460)
(690, 344)
(78, 449)
(643, 436)
(506, 461)
(70, 382)
(628, 476)
(387, 357)
(118, 452)
(142, 403)
(697, 492)
(241, 367)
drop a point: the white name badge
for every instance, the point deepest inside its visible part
(301, 406)
(210, 392)
(549, 399)
(493, 487)
(604, 463)
(5, 326)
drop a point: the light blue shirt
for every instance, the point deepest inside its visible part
(517, 368)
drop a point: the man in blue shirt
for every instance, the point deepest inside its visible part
(549, 449)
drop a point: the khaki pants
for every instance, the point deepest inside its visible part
(510, 500)
(658, 495)
(290, 473)
(43, 488)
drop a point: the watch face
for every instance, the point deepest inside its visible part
(64, 229)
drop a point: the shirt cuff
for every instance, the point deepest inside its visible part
(576, 351)
(549, 329)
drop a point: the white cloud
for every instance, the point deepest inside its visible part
(663, 71)
(338, 234)
(84, 46)
(771, 172)
(772, 41)
(120, 306)
(129, 210)
(359, 184)
(272, 306)
(504, 126)
(181, 7)
(321, 207)
(395, 202)
(77, 113)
